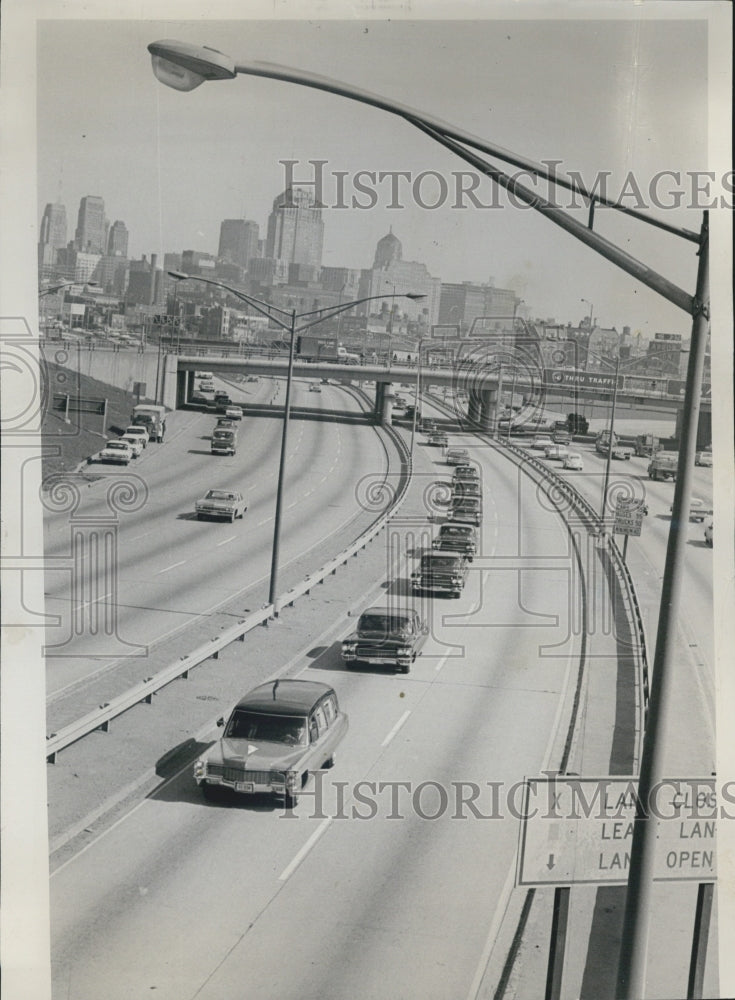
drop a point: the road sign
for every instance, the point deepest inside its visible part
(570, 378)
(579, 830)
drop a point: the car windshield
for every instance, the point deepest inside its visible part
(222, 435)
(455, 532)
(220, 495)
(384, 623)
(439, 562)
(289, 729)
(122, 445)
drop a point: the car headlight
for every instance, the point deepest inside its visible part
(292, 780)
(200, 769)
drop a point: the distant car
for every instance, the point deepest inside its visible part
(698, 510)
(460, 538)
(466, 510)
(234, 412)
(442, 572)
(276, 735)
(325, 381)
(222, 505)
(252, 378)
(139, 431)
(573, 460)
(386, 635)
(400, 402)
(457, 456)
(427, 426)
(708, 533)
(439, 438)
(556, 451)
(541, 442)
(315, 387)
(135, 442)
(117, 451)
(465, 488)
(703, 458)
(465, 473)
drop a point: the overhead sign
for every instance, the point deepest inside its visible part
(580, 830)
(573, 379)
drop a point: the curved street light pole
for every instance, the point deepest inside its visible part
(184, 66)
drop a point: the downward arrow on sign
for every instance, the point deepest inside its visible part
(550, 862)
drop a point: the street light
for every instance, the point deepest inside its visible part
(184, 66)
(288, 322)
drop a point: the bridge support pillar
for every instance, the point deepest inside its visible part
(474, 408)
(384, 396)
(489, 410)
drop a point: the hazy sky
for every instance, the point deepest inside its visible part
(615, 96)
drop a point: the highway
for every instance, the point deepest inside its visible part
(234, 898)
(172, 570)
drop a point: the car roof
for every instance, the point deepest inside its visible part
(389, 611)
(289, 696)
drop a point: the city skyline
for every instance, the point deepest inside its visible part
(161, 173)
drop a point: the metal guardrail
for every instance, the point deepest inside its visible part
(100, 718)
(583, 506)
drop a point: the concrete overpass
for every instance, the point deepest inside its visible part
(481, 383)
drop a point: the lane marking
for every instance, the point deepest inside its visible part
(441, 662)
(172, 566)
(226, 540)
(395, 728)
(499, 916)
(104, 596)
(291, 868)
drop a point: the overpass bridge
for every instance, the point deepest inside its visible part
(479, 382)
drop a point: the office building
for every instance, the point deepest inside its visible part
(238, 241)
(295, 229)
(91, 232)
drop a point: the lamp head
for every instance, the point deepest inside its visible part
(178, 275)
(414, 296)
(184, 67)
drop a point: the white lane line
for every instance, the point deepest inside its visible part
(172, 566)
(441, 662)
(265, 521)
(498, 917)
(136, 537)
(104, 596)
(395, 728)
(291, 868)
(226, 540)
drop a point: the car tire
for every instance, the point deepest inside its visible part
(233, 515)
(329, 762)
(291, 800)
(209, 791)
(404, 668)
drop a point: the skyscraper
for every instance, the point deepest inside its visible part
(91, 232)
(295, 229)
(238, 240)
(117, 241)
(52, 237)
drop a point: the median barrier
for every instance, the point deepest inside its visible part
(100, 718)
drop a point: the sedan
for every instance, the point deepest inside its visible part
(708, 533)
(439, 438)
(118, 451)
(541, 442)
(315, 387)
(135, 442)
(573, 460)
(457, 456)
(557, 451)
(223, 505)
(234, 412)
(703, 458)
(140, 431)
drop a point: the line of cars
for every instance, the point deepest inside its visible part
(147, 423)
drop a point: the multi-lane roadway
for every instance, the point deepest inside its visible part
(394, 878)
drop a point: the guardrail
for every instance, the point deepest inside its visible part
(585, 508)
(101, 717)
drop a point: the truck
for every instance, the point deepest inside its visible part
(390, 636)
(325, 349)
(647, 445)
(560, 433)
(663, 465)
(602, 446)
(224, 441)
(152, 417)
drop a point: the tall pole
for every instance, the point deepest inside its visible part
(282, 471)
(638, 903)
(416, 397)
(610, 441)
